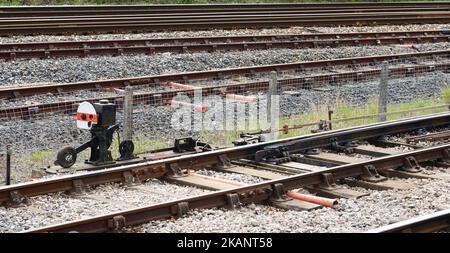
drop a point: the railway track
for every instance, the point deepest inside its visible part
(17, 92)
(12, 51)
(164, 97)
(189, 21)
(284, 164)
(49, 11)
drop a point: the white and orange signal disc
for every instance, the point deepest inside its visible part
(86, 116)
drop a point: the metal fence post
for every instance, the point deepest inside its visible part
(383, 92)
(8, 164)
(272, 106)
(128, 114)
(330, 117)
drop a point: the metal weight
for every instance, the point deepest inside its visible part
(66, 157)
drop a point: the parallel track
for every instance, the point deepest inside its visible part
(8, 93)
(46, 11)
(11, 51)
(16, 21)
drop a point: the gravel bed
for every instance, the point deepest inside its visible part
(106, 67)
(220, 32)
(372, 211)
(57, 208)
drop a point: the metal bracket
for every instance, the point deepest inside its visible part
(328, 181)
(322, 126)
(225, 161)
(176, 171)
(233, 201)
(445, 155)
(117, 222)
(128, 178)
(278, 193)
(77, 186)
(411, 165)
(370, 174)
(180, 209)
(346, 148)
(277, 155)
(312, 151)
(16, 198)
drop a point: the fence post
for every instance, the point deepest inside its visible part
(383, 91)
(330, 117)
(8, 164)
(128, 114)
(272, 106)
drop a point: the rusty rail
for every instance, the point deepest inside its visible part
(8, 93)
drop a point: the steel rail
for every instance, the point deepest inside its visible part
(85, 48)
(422, 224)
(240, 13)
(163, 12)
(164, 97)
(17, 23)
(205, 23)
(159, 7)
(215, 39)
(158, 168)
(254, 193)
(7, 93)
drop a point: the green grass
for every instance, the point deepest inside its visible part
(343, 110)
(43, 158)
